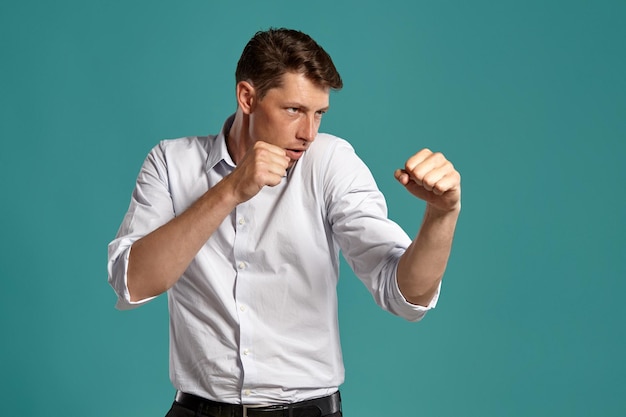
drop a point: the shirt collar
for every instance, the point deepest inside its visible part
(218, 151)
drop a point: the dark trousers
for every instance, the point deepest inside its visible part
(178, 410)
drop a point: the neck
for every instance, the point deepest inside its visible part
(237, 140)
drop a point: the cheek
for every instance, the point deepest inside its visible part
(272, 128)
(276, 131)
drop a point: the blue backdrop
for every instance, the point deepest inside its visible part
(528, 99)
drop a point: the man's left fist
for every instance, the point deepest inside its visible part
(431, 177)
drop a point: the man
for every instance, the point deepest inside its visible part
(243, 230)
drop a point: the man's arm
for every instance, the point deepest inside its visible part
(432, 178)
(158, 259)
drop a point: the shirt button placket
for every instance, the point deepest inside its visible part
(243, 293)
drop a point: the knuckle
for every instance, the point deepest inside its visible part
(438, 158)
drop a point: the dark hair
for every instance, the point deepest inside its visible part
(272, 53)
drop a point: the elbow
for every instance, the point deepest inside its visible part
(138, 290)
(422, 300)
(418, 295)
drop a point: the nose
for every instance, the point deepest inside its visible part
(308, 128)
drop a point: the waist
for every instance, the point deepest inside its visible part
(321, 406)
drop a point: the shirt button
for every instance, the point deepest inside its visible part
(246, 392)
(246, 352)
(242, 265)
(242, 308)
(242, 221)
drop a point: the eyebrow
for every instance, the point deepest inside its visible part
(306, 108)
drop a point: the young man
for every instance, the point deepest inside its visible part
(243, 230)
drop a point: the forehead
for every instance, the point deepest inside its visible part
(296, 87)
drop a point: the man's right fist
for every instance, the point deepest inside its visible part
(263, 164)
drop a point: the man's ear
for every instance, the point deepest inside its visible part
(246, 96)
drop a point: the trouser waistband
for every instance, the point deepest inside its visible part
(316, 407)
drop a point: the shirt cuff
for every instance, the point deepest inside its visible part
(119, 270)
(408, 310)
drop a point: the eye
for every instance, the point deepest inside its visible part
(320, 113)
(292, 110)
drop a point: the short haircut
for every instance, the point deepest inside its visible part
(272, 53)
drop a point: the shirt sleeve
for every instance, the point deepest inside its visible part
(370, 242)
(150, 207)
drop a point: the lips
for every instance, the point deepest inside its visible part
(294, 154)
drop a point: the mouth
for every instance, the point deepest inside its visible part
(294, 154)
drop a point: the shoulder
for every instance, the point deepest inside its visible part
(335, 151)
(325, 142)
(185, 145)
(328, 150)
(181, 156)
(184, 150)
(335, 164)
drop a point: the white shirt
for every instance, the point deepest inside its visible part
(253, 319)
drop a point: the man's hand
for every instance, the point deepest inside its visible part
(432, 178)
(263, 164)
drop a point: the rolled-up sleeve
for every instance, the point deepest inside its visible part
(150, 207)
(370, 242)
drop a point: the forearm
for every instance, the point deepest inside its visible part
(422, 266)
(157, 260)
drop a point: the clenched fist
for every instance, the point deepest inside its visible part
(431, 177)
(263, 164)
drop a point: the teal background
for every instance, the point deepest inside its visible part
(528, 99)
